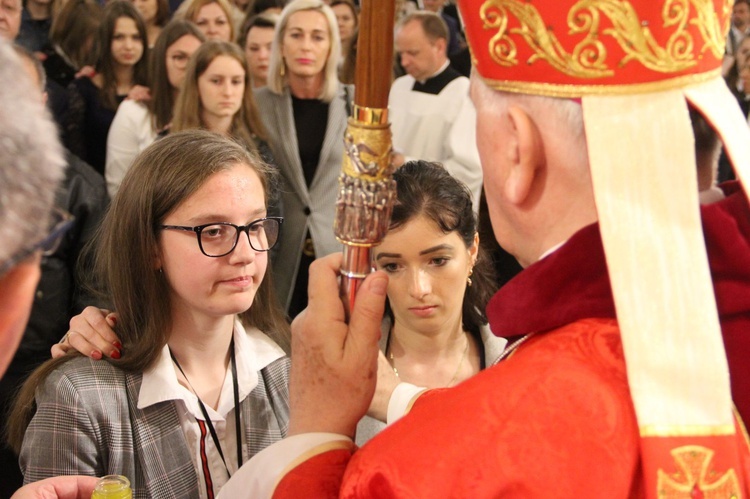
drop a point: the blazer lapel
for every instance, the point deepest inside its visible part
(330, 153)
(287, 139)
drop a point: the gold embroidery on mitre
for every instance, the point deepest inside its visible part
(588, 59)
(714, 33)
(694, 477)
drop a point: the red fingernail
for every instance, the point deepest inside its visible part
(115, 354)
(117, 345)
(96, 355)
(113, 318)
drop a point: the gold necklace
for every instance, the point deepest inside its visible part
(455, 375)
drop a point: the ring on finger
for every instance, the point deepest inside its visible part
(64, 339)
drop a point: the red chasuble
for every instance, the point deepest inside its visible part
(555, 419)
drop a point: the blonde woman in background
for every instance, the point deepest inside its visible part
(217, 19)
(305, 109)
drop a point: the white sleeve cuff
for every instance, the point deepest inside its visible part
(258, 477)
(401, 400)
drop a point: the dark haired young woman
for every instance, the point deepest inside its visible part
(121, 64)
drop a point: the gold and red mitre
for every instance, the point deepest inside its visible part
(570, 49)
(637, 66)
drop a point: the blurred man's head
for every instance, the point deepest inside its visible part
(10, 18)
(31, 166)
(741, 14)
(421, 42)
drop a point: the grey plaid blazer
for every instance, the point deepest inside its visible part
(313, 208)
(87, 423)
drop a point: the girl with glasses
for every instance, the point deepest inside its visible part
(201, 385)
(137, 124)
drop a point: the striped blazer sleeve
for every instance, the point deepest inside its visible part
(65, 436)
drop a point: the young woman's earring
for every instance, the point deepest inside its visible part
(468, 278)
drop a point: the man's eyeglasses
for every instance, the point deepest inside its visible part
(220, 238)
(60, 223)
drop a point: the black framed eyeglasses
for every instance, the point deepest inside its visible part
(60, 223)
(220, 238)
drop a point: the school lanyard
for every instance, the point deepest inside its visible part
(237, 409)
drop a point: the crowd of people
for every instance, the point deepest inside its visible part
(199, 346)
(120, 77)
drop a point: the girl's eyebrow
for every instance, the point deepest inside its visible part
(387, 255)
(439, 247)
(216, 217)
(433, 249)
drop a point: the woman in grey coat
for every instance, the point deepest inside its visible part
(305, 109)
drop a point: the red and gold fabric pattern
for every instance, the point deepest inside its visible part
(570, 49)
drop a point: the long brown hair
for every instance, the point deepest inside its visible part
(74, 30)
(246, 124)
(161, 178)
(162, 13)
(117, 9)
(163, 94)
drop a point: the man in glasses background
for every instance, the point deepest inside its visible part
(31, 166)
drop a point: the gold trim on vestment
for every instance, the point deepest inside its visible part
(696, 475)
(686, 430)
(569, 91)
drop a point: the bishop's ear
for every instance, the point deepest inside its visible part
(527, 158)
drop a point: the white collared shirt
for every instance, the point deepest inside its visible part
(253, 351)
